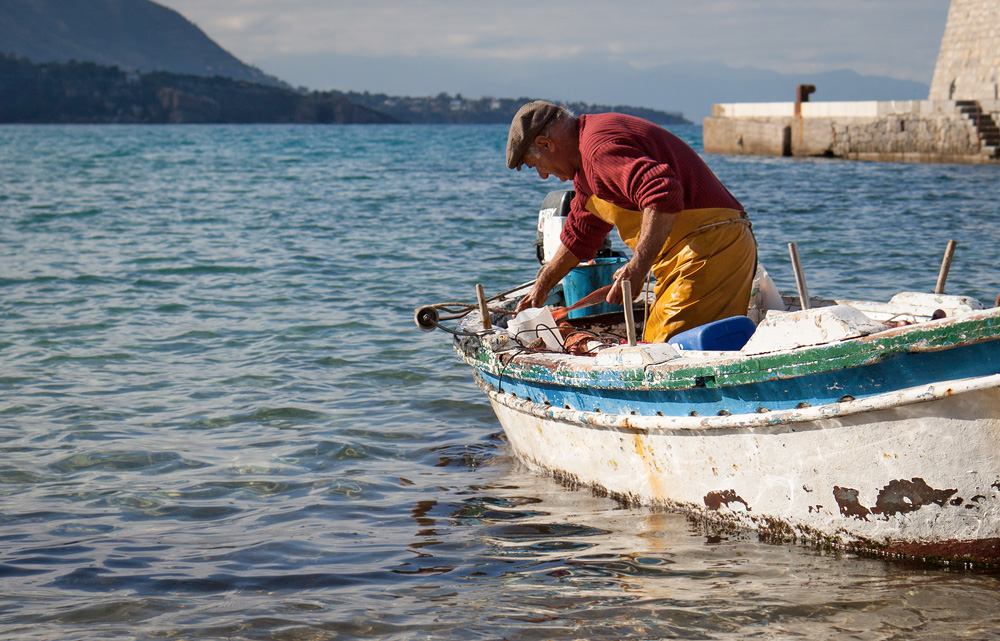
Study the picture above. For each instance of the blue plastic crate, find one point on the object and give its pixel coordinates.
(726, 334)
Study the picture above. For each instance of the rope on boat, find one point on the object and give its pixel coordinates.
(428, 317)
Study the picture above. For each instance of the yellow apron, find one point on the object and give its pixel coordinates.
(704, 271)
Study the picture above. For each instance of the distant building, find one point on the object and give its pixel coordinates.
(968, 65)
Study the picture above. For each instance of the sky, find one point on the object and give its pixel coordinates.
(310, 43)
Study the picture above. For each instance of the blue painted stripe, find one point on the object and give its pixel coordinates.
(895, 373)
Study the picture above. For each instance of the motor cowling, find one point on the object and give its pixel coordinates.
(551, 216)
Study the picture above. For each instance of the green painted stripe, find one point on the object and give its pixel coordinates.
(672, 375)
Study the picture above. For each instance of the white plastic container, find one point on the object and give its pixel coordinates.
(551, 228)
(534, 323)
(764, 296)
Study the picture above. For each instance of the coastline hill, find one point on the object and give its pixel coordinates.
(136, 35)
(456, 110)
(84, 92)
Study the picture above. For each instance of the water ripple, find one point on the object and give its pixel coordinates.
(218, 420)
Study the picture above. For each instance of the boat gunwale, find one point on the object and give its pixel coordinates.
(731, 368)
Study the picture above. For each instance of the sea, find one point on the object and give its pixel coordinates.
(218, 419)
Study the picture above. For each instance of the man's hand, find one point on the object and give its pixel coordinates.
(535, 298)
(552, 273)
(630, 272)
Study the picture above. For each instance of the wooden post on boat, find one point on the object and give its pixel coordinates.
(484, 311)
(949, 253)
(800, 279)
(629, 317)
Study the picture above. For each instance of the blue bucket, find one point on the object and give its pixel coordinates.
(585, 279)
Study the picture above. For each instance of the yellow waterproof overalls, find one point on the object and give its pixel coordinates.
(704, 271)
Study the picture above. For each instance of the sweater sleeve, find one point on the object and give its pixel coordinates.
(583, 233)
(620, 170)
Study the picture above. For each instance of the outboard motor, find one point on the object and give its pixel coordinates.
(552, 215)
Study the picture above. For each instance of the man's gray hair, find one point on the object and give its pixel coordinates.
(561, 119)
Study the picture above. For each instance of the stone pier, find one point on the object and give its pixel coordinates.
(958, 122)
(896, 131)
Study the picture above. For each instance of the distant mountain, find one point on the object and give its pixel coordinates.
(688, 87)
(446, 109)
(130, 34)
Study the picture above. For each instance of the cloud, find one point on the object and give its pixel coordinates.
(899, 38)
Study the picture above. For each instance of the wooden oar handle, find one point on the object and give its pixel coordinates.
(629, 318)
(949, 253)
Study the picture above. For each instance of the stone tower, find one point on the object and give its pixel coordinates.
(968, 66)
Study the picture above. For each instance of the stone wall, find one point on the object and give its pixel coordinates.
(968, 66)
(906, 137)
(903, 131)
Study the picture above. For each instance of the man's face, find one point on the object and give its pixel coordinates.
(549, 161)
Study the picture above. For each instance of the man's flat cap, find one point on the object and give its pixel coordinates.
(529, 121)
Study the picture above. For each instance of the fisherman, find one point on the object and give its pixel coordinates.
(675, 215)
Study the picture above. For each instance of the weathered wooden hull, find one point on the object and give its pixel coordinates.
(886, 443)
(918, 476)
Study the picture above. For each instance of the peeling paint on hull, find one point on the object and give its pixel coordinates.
(861, 444)
(786, 483)
(902, 469)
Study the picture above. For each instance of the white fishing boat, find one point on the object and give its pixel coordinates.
(867, 426)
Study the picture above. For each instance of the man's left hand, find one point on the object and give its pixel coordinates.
(635, 275)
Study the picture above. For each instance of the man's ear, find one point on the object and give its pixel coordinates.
(546, 143)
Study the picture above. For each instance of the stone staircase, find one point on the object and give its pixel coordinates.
(989, 133)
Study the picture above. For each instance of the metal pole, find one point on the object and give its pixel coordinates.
(800, 279)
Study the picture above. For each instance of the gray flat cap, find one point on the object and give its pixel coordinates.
(529, 121)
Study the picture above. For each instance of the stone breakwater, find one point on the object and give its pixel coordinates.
(892, 131)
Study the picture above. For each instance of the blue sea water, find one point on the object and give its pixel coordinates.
(218, 420)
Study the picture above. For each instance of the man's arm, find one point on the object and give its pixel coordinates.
(552, 273)
(656, 226)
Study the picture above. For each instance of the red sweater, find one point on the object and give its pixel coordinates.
(635, 164)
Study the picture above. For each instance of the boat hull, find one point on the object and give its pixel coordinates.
(831, 425)
(914, 472)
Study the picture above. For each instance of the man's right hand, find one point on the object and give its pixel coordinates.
(534, 298)
(552, 273)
